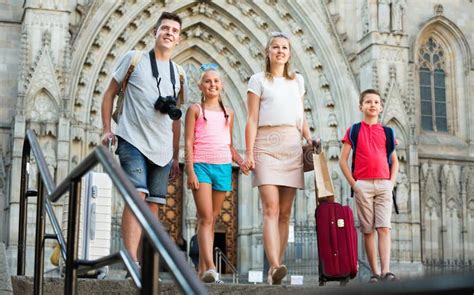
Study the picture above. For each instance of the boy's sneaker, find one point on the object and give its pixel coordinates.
(375, 278)
(390, 277)
(210, 276)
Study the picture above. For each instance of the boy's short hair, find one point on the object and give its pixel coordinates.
(170, 16)
(365, 92)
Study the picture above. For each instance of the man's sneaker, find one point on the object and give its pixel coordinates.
(210, 276)
(219, 281)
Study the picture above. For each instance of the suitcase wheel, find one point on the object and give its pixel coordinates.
(322, 283)
(343, 282)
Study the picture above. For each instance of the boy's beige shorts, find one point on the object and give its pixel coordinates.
(374, 206)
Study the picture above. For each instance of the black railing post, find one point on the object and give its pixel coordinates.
(21, 253)
(70, 286)
(150, 268)
(39, 241)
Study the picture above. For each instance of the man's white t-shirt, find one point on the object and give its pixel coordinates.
(147, 129)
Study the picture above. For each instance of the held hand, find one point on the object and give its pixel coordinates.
(193, 182)
(175, 171)
(243, 168)
(249, 162)
(107, 137)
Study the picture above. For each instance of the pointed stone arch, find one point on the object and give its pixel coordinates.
(431, 215)
(42, 107)
(402, 136)
(119, 27)
(393, 101)
(457, 69)
(452, 219)
(446, 30)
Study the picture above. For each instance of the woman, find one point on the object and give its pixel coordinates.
(275, 125)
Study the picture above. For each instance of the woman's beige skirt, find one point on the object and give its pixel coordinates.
(278, 157)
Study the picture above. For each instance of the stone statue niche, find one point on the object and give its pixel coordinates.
(390, 16)
(398, 10)
(402, 189)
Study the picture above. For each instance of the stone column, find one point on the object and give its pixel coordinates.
(384, 16)
(45, 25)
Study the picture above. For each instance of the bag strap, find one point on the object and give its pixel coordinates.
(354, 137)
(390, 147)
(156, 73)
(133, 63)
(181, 85)
(390, 143)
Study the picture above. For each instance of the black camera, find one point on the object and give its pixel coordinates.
(167, 105)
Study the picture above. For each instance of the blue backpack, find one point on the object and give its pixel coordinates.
(389, 146)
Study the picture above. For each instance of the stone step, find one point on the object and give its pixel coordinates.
(55, 286)
(460, 283)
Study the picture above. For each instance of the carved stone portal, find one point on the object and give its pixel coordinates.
(171, 216)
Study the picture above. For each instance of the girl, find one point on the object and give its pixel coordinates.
(209, 155)
(275, 125)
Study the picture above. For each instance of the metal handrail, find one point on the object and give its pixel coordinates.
(155, 238)
(47, 181)
(220, 256)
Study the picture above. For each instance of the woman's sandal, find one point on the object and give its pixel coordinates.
(374, 278)
(277, 274)
(390, 277)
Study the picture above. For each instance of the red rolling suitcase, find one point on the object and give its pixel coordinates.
(337, 243)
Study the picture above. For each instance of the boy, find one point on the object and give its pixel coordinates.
(372, 181)
(148, 140)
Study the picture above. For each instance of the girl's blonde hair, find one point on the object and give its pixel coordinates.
(286, 70)
(203, 72)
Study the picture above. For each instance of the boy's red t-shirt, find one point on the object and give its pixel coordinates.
(371, 158)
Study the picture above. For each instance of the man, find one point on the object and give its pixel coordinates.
(148, 139)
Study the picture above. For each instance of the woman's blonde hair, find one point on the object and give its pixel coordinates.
(268, 70)
(204, 69)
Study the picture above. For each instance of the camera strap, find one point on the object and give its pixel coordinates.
(156, 74)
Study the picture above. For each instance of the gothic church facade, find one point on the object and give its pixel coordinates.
(57, 58)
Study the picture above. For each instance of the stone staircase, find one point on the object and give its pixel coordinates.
(461, 283)
(456, 283)
(448, 284)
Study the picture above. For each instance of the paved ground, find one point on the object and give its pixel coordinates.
(5, 282)
(460, 283)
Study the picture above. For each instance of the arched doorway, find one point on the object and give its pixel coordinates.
(226, 226)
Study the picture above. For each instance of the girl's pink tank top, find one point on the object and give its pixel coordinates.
(212, 138)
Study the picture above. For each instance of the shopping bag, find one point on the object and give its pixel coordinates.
(323, 181)
(308, 151)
